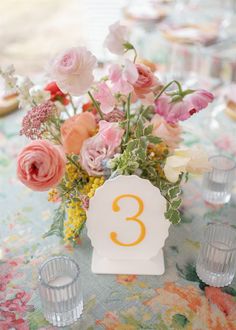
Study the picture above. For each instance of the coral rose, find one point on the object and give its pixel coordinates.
(56, 94)
(73, 70)
(75, 130)
(169, 133)
(41, 165)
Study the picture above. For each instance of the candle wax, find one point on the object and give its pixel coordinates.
(60, 280)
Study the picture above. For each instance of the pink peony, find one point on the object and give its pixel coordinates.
(124, 78)
(169, 133)
(173, 111)
(146, 81)
(116, 38)
(101, 147)
(41, 165)
(73, 70)
(105, 97)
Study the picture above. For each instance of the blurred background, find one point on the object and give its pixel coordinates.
(187, 39)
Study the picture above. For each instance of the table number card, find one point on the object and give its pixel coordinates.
(127, 227)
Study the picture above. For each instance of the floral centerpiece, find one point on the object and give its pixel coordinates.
(125, 123)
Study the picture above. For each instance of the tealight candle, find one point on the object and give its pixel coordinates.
(60, 290)
(216, 264)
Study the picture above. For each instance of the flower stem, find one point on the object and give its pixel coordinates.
(66, 111)
(72, 104)
(72, 161)
(96, 104)
(135, 54)
(128, 119)
(168, 85)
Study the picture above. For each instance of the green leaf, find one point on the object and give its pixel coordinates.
(176, 204)
(148, 130)
(132, 145)
(128, 46)
(173, 216)
(174, 192)
(57, 227)
(139, 129)
(154, 139)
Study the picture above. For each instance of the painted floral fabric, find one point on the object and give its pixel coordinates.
(175, 300)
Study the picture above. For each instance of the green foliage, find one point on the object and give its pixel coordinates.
(57, 227)
(135, 160)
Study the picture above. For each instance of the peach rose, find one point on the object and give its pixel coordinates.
(146, 81)
(73, 70)
(169, 133)
(41, 165)
(77, 129)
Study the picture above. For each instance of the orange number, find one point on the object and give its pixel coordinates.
(116, 208)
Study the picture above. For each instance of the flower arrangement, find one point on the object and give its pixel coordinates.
(126, 123)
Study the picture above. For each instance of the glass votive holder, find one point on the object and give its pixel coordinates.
(60, 290)
(218, 183)
(216, 263)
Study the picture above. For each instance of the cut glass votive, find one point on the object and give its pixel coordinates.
(218, 183)
(216, 263)
(60, 290)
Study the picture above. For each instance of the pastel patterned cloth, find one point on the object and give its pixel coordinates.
(175, 300)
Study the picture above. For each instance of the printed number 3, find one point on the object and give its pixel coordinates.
(116, 208)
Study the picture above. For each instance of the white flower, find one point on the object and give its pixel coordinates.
(9, 79)
(73, 70)
(116, 38)
(193, 160)
(24, 92)
(38, 95)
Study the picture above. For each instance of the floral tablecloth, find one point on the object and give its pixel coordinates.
(175, 300)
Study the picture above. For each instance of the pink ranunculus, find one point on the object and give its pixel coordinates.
(41, 165)
(100, 148)
(105, 97)
(73, 70)
(93, 154)
(116, 38)
(173, 111)
(200, 99)
(146, 81)
(124, 78)
(169, 133)
(111, 133)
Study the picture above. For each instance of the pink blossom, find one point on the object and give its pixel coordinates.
(116, 38)
(73, 70)
(93, 155)
(105, 97)
(123, 78)
(40, 165)
(200, 99)
(173, 111)
(115, 115)
(169, 133)
(32, 123)
(146, 81)
(101, 147)
(111, 133)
